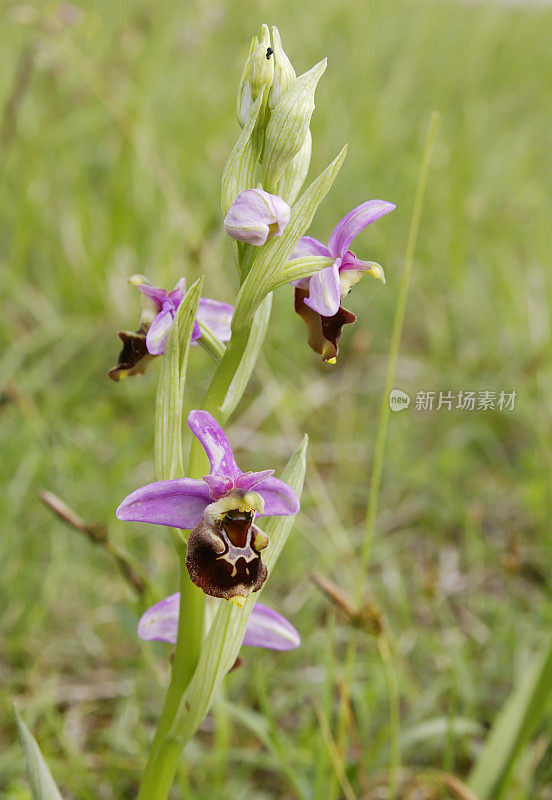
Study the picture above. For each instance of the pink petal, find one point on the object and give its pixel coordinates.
(160, 622)
(309, 246)
(247, 480)
(280, 499)
(265, 627)
(179, 503)
(256, 215)
(158, 331)
(281, 213)
(157, 295)
(205, 428)
(217, 316)
(177, 293)
(355, 222)
(218, 485)
(325, 290)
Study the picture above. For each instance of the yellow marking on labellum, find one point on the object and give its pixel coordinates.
(236, 501)
(238, 600)
(217, 543)
(331, 360)
(261, 540)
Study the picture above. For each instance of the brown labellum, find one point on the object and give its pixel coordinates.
(323, 333)
(223, 556)
(134, 357)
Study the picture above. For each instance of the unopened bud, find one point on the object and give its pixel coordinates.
(261, 64)
(258, 71)
(284, 74)
(255, 216)
(245, 98)
(289, 124)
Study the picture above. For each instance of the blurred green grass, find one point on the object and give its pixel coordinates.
(110, 156)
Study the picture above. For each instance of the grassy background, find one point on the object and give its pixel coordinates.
(115, 129)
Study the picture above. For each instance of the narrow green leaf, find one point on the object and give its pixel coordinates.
(222, 644)
(43, 786)
(240, 170)
(271, 260)
(249, 359)
(436, 730)
(512, 729)
(170, 389)
(299, 268)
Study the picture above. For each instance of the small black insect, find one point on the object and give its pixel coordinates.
(269, 53)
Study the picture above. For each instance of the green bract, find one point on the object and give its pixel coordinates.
(293, 176)
(288, 125)
(284, 74)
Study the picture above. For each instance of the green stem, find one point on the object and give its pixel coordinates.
(246, 257)
(394, 716)
(216, 393)
(341, 736)
(165, 751)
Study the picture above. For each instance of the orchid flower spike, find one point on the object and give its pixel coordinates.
(255, 216)
(158, 311)
(265, 627)
(318, 298)
(224, 546)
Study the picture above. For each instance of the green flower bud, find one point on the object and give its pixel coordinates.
(288, 125)
(257, 72)
(284, 74)
(245, 98)
(261, 66)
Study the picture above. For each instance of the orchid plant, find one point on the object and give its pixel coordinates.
(214, 510)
